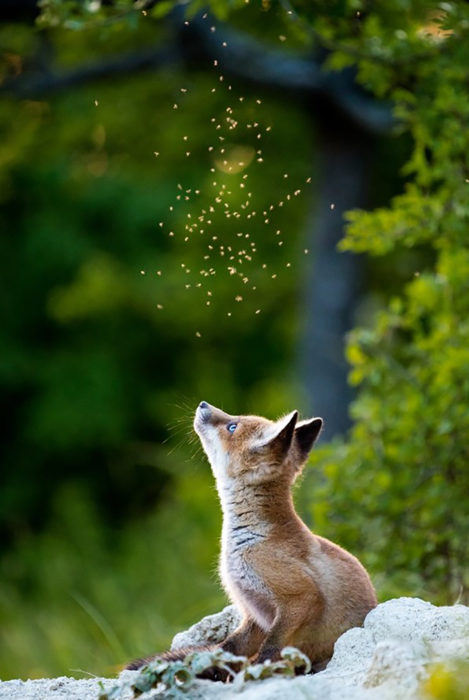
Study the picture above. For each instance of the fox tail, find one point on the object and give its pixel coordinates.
(176, 655)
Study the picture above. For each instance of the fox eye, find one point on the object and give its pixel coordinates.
(231, 427)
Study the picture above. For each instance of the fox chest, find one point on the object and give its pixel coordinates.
(244, 581)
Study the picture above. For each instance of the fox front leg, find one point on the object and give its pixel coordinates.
(246, 640)
(283, 632)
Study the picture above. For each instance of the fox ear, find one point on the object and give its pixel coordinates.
(306, 433)
(281, 435)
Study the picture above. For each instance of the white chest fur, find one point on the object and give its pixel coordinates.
(243, 530)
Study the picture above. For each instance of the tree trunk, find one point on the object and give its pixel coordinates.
(333, 279)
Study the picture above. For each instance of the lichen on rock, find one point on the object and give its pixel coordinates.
(212, 629)
(390, 657)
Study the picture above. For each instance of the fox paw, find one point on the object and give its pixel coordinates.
(268, 653)
(214, 674)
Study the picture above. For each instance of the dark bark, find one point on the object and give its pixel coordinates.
(38, 84)
(333, 280)
(289, 73)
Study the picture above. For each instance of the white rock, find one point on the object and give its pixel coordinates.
(393, 658)
(54, 689)
(413, 619)
(387, 659)
(353, 651)
(210, 630)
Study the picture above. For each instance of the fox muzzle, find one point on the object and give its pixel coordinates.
(207, 414)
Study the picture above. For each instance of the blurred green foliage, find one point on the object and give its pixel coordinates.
(104, 517)
(103, 525)
(446, 682)
(399, 485)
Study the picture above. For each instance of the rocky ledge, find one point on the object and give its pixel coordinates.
(390, 657)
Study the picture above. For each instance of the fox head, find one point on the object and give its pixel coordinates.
(252, 449)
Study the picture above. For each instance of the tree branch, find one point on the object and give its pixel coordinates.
(298, 73)
(239, 56)
(38, 84)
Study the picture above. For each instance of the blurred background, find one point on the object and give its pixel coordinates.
(173, 182)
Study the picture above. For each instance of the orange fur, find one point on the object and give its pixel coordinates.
(292, 587)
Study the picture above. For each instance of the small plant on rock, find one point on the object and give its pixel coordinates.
(173, 679)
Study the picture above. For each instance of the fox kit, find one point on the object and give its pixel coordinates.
(293, 588)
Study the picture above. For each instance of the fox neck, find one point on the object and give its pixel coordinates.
(251, 510)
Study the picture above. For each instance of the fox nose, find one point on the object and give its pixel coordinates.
(204, 411)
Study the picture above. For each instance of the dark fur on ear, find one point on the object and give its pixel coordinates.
(306, 434)
(280, 442)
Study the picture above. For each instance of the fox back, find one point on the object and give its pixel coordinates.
(292, 587)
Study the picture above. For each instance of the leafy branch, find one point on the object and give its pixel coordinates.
(174, 679)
